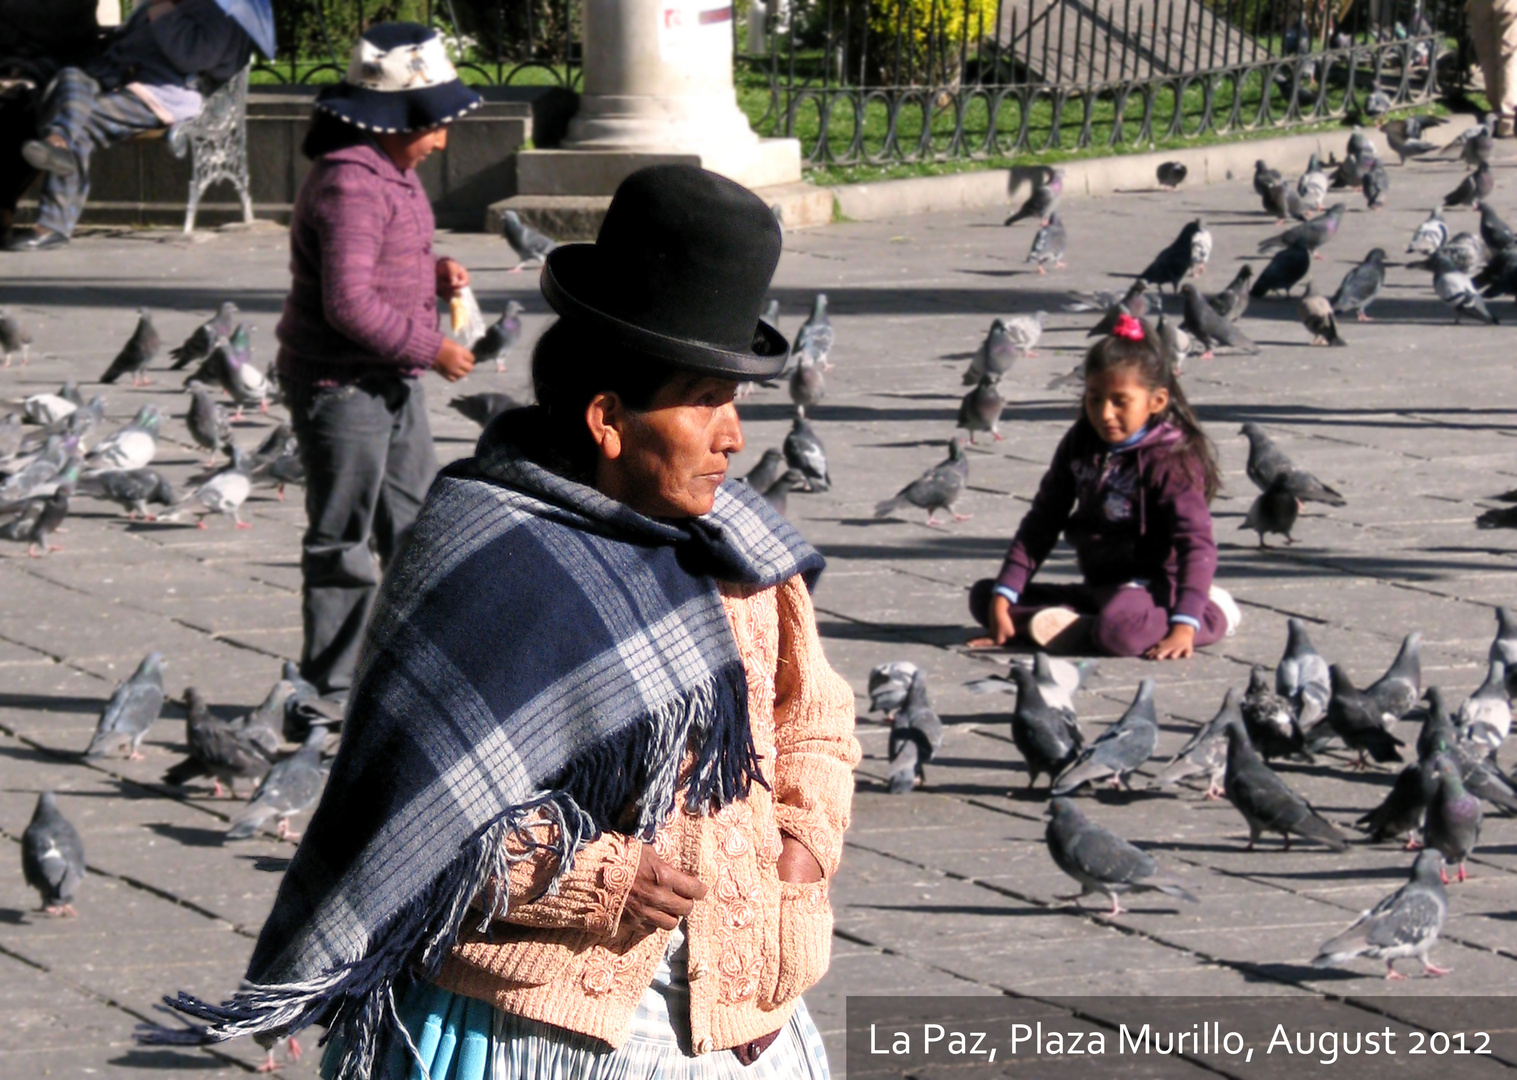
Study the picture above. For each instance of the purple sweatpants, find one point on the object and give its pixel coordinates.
(1129, 620)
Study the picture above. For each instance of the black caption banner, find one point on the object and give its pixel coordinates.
(1257, 1038)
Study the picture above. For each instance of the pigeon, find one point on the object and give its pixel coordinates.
(1274, 511)
(1485, 718)
(1057, 680)
(225, 491)
(1480, 775)
(815, 337)
(777, 494)
(1313, 185)
(12, 433)
(1269, 718)
(1206, 326)
(259, 726)
(1350, 172)
(1400, 813)
(131, 489)
(482, 408)
(1475, 143)
(1200, 249)
(1359, 145)
(1120, 749)
(243, 382)
(1494, 232)
(1284, 271)
(285, 467)
(1504, 645)
(39, 519)
(138, 352)
(306, 708)
(1043, 201)
(1361, 286)
(1232, 301)
(1048, 738)
(1417, 125)
(1100, 860)
(888, 684)
(1464, 252)
(1024, 332)
(198, 345)
(1283, 201)
(216, 750)
(496, 343)
(1135, 302)
(208, 422)
(807, 384)
(1355, 717)
(1473, 188)
(290, 787)
(14, 339)
(1265, 801)
(529, 244)
(804, 451)
(1049, 244)
(915, 736)
(1171, 174)
(771, 466)
(936, 489)
(1265, 178)
(1265, 460)
(1172, 265)
(1437, 734)
(133, 446)
(1176, 343)
(54, 464)
(1396, 692)
(1406, 923)
(1498, 277)
(995, 355)
(1205, 753)
(1316, 313)
(1431, 235)
(1309, 234)
(133, 707)
(52, 857)
(1377, 182)
(1403, 142)
(50, 408)
(1452, 825)
(981, 409)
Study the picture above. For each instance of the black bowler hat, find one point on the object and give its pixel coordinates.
(678, 273)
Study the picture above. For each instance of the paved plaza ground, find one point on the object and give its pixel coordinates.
(948, 890)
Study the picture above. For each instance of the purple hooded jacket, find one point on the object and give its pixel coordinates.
(1137, 513)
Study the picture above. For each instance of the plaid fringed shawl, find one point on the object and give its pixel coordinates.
(539, 650)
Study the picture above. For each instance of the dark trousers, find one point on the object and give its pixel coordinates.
(367, 451)
(88, 120)
(1126, 620)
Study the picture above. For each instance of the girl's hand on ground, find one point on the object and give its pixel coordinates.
(1001, 629)
(1178, 644)
(660, 896)
(453, 361)
(452, 278)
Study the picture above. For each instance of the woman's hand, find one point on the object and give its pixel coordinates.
(1178, 644)
(797, 865)
(452, 278)
(1001, 629)
(661, 895)
(453, 361)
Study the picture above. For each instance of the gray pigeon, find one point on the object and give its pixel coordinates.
(1170, 174)
(217, 750)
(808, 386)
(1400, 813)
(1172, 265)
(1048, 738)
(1266, 461)
(1361, 286)
(1205, 753)
(1354, 717)
(1313, 184)
(1403, 142)
(208, 422)
(1309, 234)
(1265, 178)
(225, 491)
(496, 343)
(1049, 245)
(529, 244)
(995, 355)
(1120, 749)
(936, 489)
(1405, 923)
(1203, 323)
(1455, 289)
(1284, 271)
(1269, 718)
(263, 725)
(482, 408)
(1316, 314)
(1137, 302)
(1377, 182)
(771, 466)
(291, 787)
(1431, 235)
(1058, 680)
(131, 489)
(1100, 860)
(1265, 801)
(14, 339)
(198, 345)
(133, 707)
(1486, 716)
(39, 518)
(1232, 301)
(888, 686)
(1504, 645)
(52, 857)
(1453, 818)
(137, 353)
(1283, 201)
(915, 736)
(133, 446)
(804, 451)
(1473, 188)
(1396, 692)
(1044, 200)
(815, 338)
(777, 494)
(981, 409)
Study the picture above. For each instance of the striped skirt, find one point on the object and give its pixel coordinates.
(460, 1038)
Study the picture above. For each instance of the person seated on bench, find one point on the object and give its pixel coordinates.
(151, 76)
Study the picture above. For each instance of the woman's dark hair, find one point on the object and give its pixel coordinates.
(328, 134)
(572, 363)
(1194, 453)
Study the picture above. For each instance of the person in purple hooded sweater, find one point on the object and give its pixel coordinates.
(1129, 488)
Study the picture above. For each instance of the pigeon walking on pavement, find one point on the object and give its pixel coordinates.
(1309, 234)
(1376, 184)
(292, 786)
(1284, 202)
(52, 857)
(225, 491)
(1312, 185)
(803, 450)
(981, 409)
(1048, 738)
(771, 466)
(530, 245)
(995, 355)
(1303, 677)
(1406, 923)
(1316, 314)
(889, 683)
(14, 339)
(1100, 860)
(132, 709)
(1044, 200)
(1504, 644)
(1397, 691)
(1361, 286)
(1170, 174)
(133, 446)
(208, 422)
(216, 750)
(1203, 323)
(1474, 188)
(1274, 511)
(1403, 143)
(808, 385)
(1400, 813)
(777, 494)
(1283, 272)
(936, 489)
(131, 489)
(1496, 233)
(1173, 265)
(1269, 718)
(39, 519)
(1452, 825)
(1485, 718)
(1431, 235)
(1266, 803)
(1266, 460)
(1232, 301)
(1205, 753)
(1354, 717)
(138, 352)
(1265, 178)
(1455, 289)
(500, 337)
(915, 736)
(199, 344)
(815, 338)
(1049, 245)
(1119, 750)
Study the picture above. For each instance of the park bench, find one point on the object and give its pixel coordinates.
(217, 143)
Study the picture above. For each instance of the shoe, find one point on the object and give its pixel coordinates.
(1059, 629)
(34, 240)
(43, 155)
(1230, 609)
(1505, 128)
